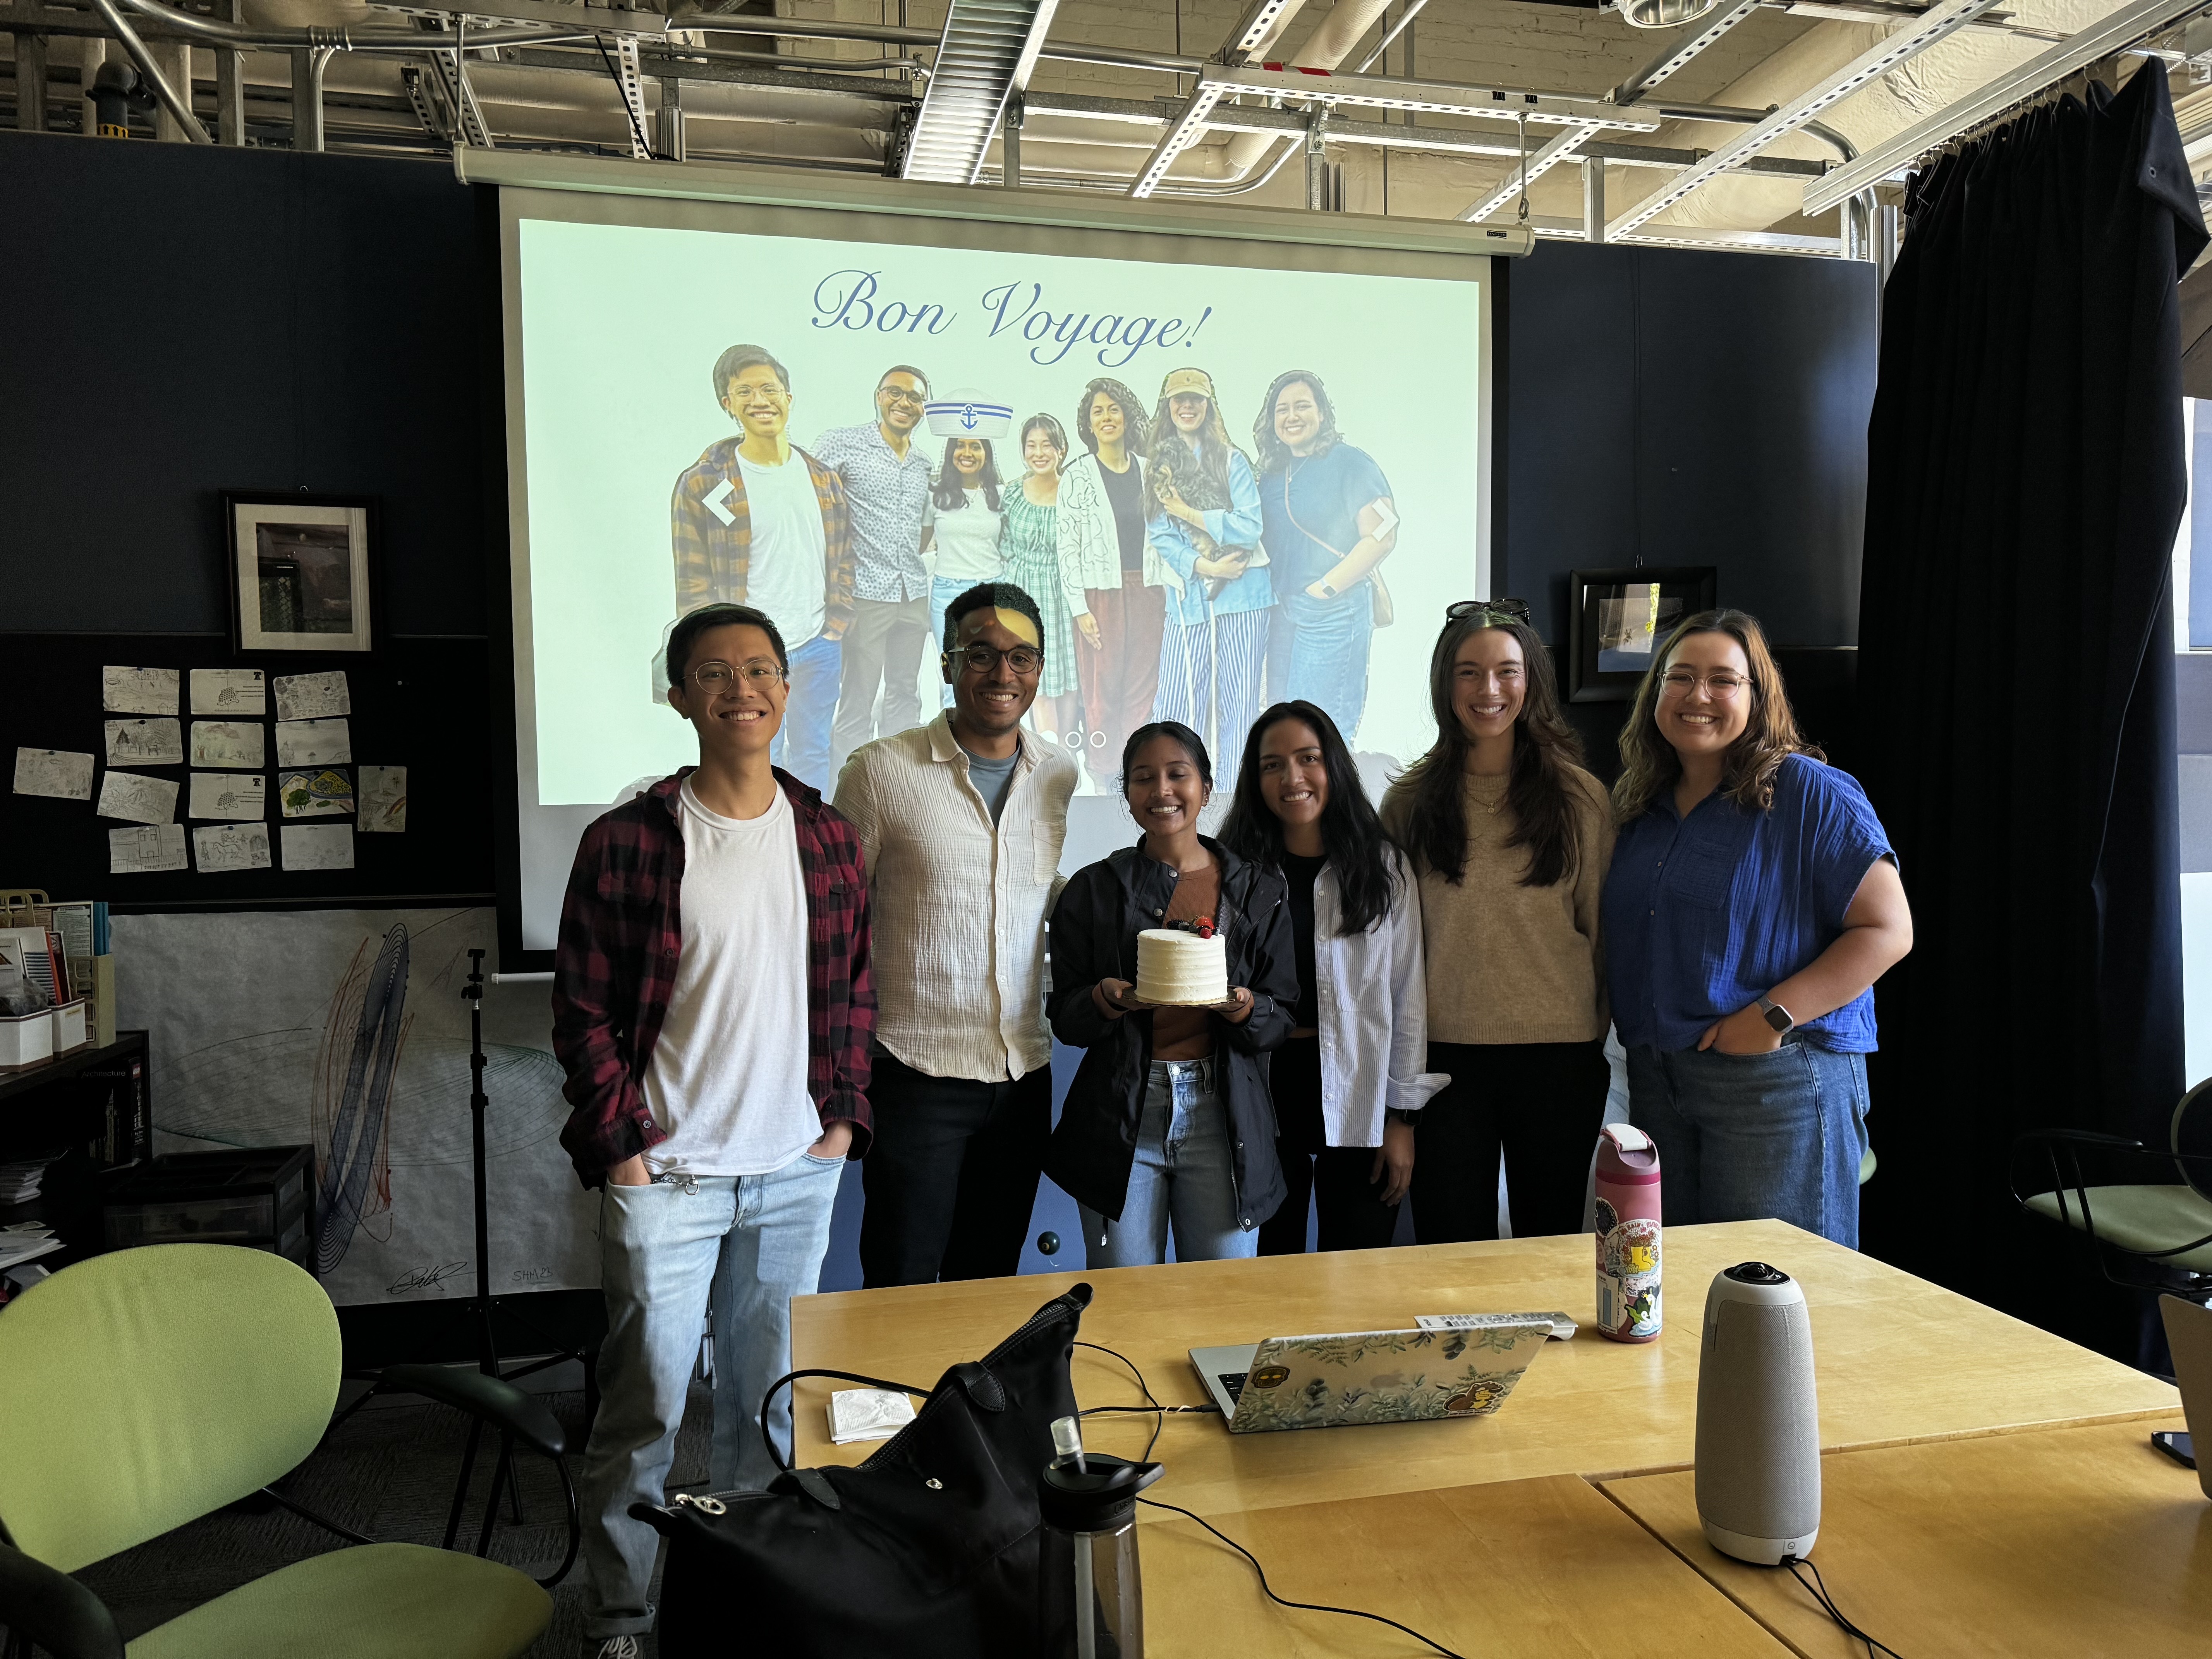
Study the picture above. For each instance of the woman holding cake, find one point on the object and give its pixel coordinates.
(1173, 965)
(1511, 839)
(1348, 1083)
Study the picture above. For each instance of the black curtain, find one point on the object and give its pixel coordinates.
(2025, 479)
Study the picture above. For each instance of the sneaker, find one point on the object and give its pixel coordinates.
(612, 1647)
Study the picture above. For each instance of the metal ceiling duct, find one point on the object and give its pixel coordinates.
(989, 49)
(1663, 14)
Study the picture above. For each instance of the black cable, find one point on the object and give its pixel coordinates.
(1819, 1587)
(1268, 1589)
(1309, 1607)
(1150, 1401)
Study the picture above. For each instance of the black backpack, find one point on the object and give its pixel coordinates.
(928, 1548)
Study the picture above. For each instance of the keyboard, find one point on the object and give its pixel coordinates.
(1234, 1383)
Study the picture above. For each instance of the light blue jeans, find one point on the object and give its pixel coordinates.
(802, 744)
(1742, 1137)
(1184, 1172)
(1318, 651)
(743, 1245)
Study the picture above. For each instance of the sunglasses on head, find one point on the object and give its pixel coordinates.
(1490, 610)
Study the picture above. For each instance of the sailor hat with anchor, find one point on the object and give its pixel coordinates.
(965, 412)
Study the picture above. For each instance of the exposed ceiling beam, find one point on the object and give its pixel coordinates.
(1183, 131)
(1557, 150)
(1694, 39)
(2124, 29)
(1428, 97)
(1937, 23)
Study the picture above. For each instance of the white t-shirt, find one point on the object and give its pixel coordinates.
(789, 563)
(968, 538)
(728, 1076)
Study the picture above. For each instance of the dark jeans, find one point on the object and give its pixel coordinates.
(1353, 1215)
(952, 1175)
(1543, 1103)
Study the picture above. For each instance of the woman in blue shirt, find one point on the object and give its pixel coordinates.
(1753, 901)
(1328, 521)
(1206, 524)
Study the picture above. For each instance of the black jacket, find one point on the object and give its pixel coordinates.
(1093, 937)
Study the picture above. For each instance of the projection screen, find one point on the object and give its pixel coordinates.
(1348, 361)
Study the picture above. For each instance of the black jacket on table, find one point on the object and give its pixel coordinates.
(1093, 937)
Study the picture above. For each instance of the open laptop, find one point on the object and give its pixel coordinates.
(2188, 1335)
(1367, 1377)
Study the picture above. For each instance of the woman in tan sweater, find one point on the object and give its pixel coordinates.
(1511, 839)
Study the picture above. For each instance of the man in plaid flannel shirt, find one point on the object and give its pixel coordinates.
(712, 1009)
(750, 528)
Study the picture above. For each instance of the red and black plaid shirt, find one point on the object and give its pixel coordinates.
(614, 969)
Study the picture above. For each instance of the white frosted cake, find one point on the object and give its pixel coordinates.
(1178, 968)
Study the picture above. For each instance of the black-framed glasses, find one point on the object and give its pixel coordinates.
(901, 395)
(715, 678)
(1024, 659)
(1494, 611)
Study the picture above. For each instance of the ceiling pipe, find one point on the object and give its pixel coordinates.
(179, 108)
(213, 32)
(1751, 118)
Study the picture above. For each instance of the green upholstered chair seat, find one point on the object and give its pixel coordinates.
(2142, 1219)
(373, 1602)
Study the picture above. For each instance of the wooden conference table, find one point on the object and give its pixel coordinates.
(1497, 1534)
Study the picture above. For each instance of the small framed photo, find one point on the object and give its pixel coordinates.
(1617, 619)
(302, 571)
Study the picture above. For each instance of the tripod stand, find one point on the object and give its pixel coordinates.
(482, 1304)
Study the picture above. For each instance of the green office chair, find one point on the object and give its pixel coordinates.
(2160, 1229)
(144, 1389)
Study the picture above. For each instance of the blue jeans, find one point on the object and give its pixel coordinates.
(1742, 1137)
(804, 737)
(1317, 650)
(1184, 1171)
(943, 590)
(743, 1246)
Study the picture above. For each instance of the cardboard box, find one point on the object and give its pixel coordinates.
(69, 1019)
(27, 1039)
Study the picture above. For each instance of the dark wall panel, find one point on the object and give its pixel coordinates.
(193, 318)
(1690, 408)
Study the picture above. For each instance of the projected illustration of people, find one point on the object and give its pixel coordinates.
(887, 482)
(960, 531)
(1121, 609)
(1028, 543)
(1329, 523)
(1205, 525)
(759, 521)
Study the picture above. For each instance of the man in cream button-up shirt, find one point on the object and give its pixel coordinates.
(962, 822)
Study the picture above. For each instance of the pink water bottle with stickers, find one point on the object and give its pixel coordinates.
(1627, 1234)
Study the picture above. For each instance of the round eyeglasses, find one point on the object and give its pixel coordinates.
(1024, 659)
(715, 678)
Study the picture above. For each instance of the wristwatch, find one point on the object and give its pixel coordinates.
(1327, 591)
(1399, 1115)
(1776, 1016)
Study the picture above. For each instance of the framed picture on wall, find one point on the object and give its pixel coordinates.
(302, 571)
(1616, 619)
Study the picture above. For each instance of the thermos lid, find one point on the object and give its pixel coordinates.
(1100, 1498)
(1627, 1155)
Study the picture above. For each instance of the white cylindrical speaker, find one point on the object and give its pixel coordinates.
(1759, 1418)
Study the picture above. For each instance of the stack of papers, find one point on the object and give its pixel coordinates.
(18, 1182)
(867, 1414)
(19, 1244)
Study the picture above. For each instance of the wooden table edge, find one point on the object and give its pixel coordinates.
(1603, 1483)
